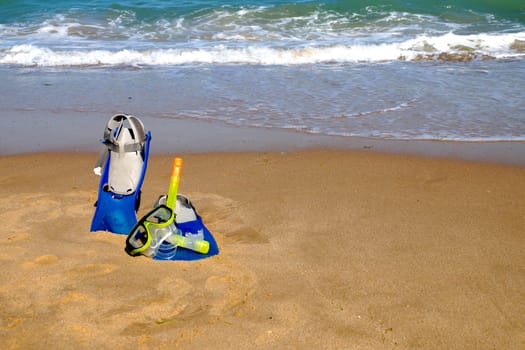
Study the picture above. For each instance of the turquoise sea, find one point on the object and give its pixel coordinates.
(411, 70)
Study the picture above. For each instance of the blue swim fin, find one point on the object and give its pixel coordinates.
(124, 160)
(189, 222)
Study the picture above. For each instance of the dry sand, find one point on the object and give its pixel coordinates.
(319, 249)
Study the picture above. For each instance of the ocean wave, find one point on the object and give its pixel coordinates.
(450, 47)
(304, 21)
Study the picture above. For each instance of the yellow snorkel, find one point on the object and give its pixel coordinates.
(198, 245)
(159, 225)
(174, 183)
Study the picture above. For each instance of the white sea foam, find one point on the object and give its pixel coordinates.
(423, 47)
(261, 23)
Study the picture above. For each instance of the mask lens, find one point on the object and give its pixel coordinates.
(139, 237)
(136, 240)
(159, 215)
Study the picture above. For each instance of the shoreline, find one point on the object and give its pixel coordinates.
(53, 133)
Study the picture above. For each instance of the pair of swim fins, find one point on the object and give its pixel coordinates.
(122, 166)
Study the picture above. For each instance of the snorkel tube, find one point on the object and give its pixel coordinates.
(174, 183)
(177, 239)
(158, 226)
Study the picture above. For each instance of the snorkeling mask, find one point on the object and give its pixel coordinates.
(157, 227)
(150, 231)
(157, 232)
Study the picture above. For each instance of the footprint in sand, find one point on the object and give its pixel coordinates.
(225, 217)
(43, 207)
(18, 236)
(11, 240)
(39, 261)
(93, 269)
(77, 202)
(205, 293)
(224, 294)
(74, 297)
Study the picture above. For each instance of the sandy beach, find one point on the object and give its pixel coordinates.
(319, 249)
(361, 166)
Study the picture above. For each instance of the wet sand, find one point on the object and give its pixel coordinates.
(321, 248)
